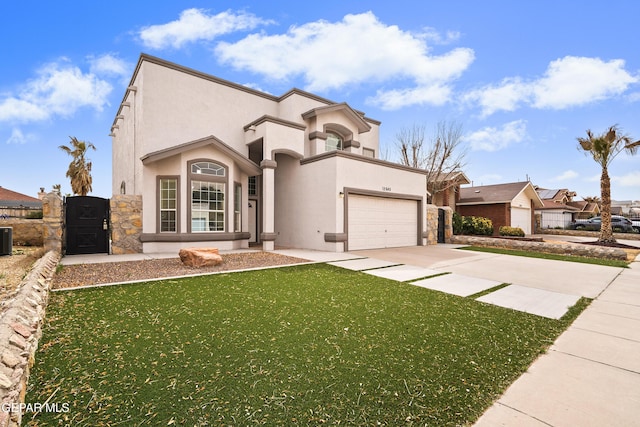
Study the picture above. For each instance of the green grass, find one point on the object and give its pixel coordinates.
(302, 345)
(557, 257)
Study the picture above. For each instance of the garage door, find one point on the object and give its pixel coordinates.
(521, 217)
(377, 222)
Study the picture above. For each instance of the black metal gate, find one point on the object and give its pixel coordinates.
(87, 225)
(440, 225)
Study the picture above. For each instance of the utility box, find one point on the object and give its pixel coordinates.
(6, 240)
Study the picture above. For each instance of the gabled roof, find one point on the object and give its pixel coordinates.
(457, 176)
(584, 206)
(549, 204)
(497, 193)
(182, 69)
(343, 107)
(245, 164)
(13, 199)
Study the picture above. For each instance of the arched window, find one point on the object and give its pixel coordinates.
(208, 185)
(333, 142)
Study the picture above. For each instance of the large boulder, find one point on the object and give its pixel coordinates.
(200, 257)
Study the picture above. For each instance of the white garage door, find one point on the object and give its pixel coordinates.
(377, 222)
(521, 217)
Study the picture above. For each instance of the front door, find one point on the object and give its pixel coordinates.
(87, 225)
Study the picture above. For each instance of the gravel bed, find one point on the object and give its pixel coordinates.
(71, 276)
(14, 267)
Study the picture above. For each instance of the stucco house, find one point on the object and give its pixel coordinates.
(510, 204)
(556, 211)
(219, 164)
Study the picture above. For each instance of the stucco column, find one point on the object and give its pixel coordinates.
(268, 235)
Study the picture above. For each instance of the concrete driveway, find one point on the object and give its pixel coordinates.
(557, 276)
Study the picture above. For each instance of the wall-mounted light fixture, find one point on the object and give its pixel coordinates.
(341, 194)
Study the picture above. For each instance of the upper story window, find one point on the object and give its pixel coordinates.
(333, 142)
(368, 152)
(207, 168)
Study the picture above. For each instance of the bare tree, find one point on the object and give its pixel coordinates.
(442, 157)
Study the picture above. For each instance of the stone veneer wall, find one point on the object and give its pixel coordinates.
(25, 232)
(432, 224)
(547, 247)
(53, 222)
(20, 329)
(126, 224)
(585, 233)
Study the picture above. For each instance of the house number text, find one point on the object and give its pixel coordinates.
(386, 188)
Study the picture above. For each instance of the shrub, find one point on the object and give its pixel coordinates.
(34, 215)
(505, 230)
(476, 225)
(457, 223)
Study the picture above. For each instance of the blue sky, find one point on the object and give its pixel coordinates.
(523, 78)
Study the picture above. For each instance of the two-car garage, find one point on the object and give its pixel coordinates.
(382, 222)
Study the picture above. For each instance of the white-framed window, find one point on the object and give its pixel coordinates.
(253, 189)
(208, 183)
(333, 142)
(168, 205)
(237, 207)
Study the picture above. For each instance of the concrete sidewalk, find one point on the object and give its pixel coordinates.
(591, 374)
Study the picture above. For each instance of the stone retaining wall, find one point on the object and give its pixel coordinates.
(585, 233)
(20, 329)
(546, 247)
(25, 232)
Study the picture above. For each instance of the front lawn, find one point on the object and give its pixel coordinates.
(302, 345)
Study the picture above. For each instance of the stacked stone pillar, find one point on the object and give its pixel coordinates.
(53, 220)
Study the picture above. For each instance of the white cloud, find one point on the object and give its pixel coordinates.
(110, 65)
(506, 96)
(574, 80)
(567, 82)
(59, 89)
(17, 137)
(631, 179)
(359, 49)
(196, 24)
(494, 139)
(566, 176)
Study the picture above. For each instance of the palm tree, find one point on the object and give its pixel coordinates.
(604, 148)
(79, 171)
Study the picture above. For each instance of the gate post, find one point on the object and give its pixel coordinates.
(52, 218)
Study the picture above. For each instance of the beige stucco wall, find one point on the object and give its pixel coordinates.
(308, 202)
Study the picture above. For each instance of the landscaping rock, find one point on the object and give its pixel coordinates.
(200, 257)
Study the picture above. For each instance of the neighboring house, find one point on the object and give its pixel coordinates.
(585, 210)
(223, 165)
(445, 189)
(556, 212)
(14, 204)
(510, 204)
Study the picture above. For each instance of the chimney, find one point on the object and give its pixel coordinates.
(41, 194)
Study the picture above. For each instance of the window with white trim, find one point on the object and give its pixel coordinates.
(208, 183)
(237, 207)
(168, 203)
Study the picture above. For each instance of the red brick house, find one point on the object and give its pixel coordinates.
(511, 204)
(14, 204)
